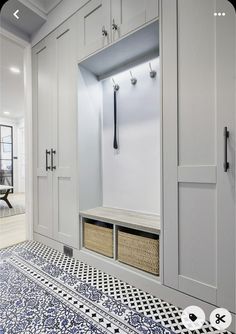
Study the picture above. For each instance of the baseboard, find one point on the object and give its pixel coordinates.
(147, 283)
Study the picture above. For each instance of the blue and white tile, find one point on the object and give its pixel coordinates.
(152, 307)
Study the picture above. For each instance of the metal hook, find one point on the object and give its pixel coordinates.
(133, 80)
(152, 72)
(116, 86)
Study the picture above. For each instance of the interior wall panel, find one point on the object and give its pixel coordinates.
(131, 174)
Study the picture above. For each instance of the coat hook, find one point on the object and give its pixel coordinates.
(152, 72)
(133, 80)
(116, 86)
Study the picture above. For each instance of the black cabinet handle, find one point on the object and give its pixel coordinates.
(47, 154)
(115, 143)
(52, 162)
(63, 33)
(226, 136)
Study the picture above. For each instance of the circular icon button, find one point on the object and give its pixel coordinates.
(193, 317)
(220, 319)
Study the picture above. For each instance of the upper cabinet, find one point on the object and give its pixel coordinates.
(128, 15)
(94, 27)
(102, 22)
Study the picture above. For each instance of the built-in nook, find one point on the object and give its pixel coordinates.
(120, 183)
(152, 203)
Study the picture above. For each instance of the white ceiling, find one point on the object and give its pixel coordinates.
(44, 5)
(32, 15)
(11, 84)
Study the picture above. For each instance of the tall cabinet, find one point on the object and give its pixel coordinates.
(55, 134)
(198, 155)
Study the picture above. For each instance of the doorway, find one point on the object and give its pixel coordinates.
(15, 141)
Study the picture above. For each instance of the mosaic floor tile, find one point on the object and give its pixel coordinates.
(151, 307)
(38, 296)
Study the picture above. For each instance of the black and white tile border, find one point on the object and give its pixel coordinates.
(168, 315)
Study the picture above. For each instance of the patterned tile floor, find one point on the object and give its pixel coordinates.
(168, 315)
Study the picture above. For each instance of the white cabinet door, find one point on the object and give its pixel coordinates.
(94, 27)
(128, 15)
(64, 141)
(43, 106)
(198, 102)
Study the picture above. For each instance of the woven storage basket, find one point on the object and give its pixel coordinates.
(98, 239)
(139, 251)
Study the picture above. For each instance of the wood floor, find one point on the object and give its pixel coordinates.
(12, 230)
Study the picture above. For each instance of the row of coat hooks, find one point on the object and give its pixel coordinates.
(134, 80)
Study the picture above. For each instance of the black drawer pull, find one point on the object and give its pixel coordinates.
(226, 136)
(52, 161)
(47, 154)
(63, 33)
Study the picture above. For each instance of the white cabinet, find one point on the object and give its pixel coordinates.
(65, 136)
(199, 195)
(55, 134)
(43, 105)
(102, 22)
(94, 27)
(128, 15)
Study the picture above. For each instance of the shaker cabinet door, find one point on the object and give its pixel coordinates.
(128, 15)
(43, 108)
(64, 142)
(94, 27)
(198, 185)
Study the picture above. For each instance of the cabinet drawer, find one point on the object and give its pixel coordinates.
(99, 238)
(139, 251)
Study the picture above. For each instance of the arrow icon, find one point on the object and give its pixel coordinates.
(15, 14)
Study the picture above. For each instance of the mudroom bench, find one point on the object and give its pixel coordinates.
(129, 237)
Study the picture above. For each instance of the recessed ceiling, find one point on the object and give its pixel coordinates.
(11, 82)
(44, 5)
(32, 15)
(29, 21)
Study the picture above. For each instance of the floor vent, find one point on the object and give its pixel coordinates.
(68, 251)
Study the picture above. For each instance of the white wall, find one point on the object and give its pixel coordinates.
(131, 175)
(17, 172)
(89, 140)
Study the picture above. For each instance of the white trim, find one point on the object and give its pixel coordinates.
(196, 288)
(22, 42)
(28, 129)
(28, 143)
(35, 8)
(161, 238)
(197, 174)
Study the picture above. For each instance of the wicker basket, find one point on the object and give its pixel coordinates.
(98, 239)
(139, 251)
